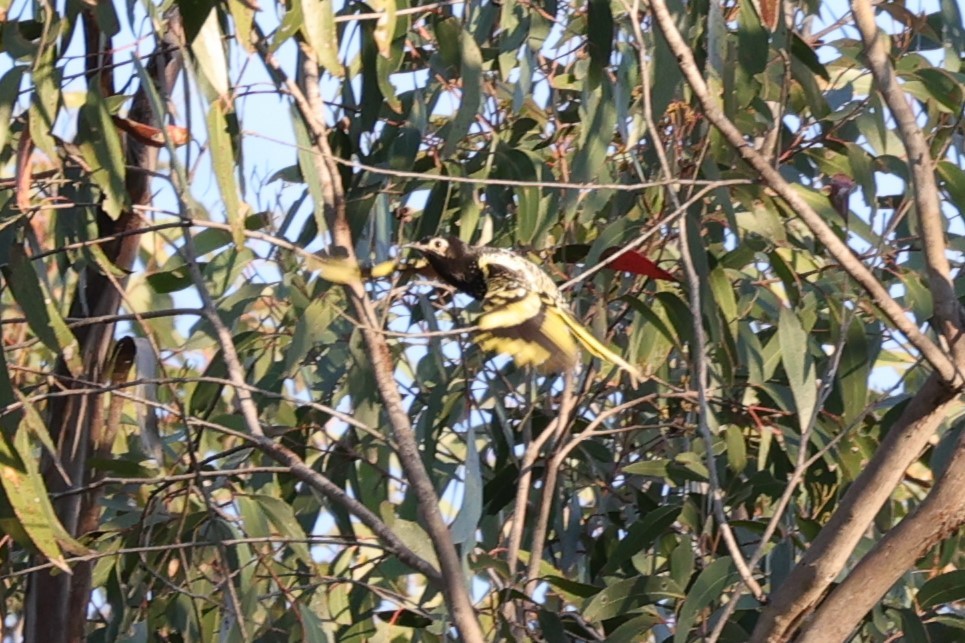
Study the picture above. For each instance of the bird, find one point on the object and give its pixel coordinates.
(524, 314)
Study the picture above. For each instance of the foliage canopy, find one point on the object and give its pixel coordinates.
(188, 180)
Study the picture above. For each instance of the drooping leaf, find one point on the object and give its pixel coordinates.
(708, 587)
(224, 161)
(42, 315)
(471, 73)
(798, 365)
(101, 147)
(319, 30)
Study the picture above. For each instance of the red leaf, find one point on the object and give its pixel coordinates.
(634, 262)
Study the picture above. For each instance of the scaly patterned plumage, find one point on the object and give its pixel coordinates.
(524, 314)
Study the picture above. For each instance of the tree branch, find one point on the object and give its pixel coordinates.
(936, 518)
(548, 496)
(309, 105)
(698, 354)
(829, 552)
(837, 248)
(924, 187)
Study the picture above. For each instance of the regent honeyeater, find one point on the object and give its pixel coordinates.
(524, 315)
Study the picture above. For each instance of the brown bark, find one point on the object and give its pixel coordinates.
(806, 586)
(56, 605)
(455, 584)
(938, 517)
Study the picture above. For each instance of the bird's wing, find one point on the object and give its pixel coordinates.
(525, 316)
(516, 321)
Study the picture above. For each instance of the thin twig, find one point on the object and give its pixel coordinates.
(490, 181)
(538, 540)
(308, 101)
(700, 342)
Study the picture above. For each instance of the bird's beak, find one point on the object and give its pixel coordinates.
(415, 245)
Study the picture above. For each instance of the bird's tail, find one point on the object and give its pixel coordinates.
(598, 349)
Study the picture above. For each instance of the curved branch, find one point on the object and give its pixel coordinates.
(837, 248)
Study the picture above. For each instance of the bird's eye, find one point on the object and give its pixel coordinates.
(438, 244)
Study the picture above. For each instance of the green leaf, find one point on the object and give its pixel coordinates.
(912, 628)
(208, 50)
(634, 629)
(471, 74)
(415, 538)
(521, 166)
(39, 308)
(46, 100)
(254, 519)
(224, 161)
(708, 587)
(653, 468)
(736, 448)
(752, 39)
(306, 161)
(206, 394)
(590, 162)
(313, 629)
(282, 517)
(691, 466)
(34, 425)
(463, 527)
(625, 596)
(571, 590)
(9, 92)
(599, 32)
(942, 590)
(803, 52)
(312, 329)
(244, 17)
(798, 366)
(320, 33)
(682, 561)
(854, 370)
(25, 490)
(953, 180)
(938, 85)
(725, 298)
(101, 147)
(641, 535)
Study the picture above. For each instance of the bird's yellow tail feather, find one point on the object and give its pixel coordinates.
(598, 349)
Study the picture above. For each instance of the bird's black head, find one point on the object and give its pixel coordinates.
(454, 261)
(440, 247)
